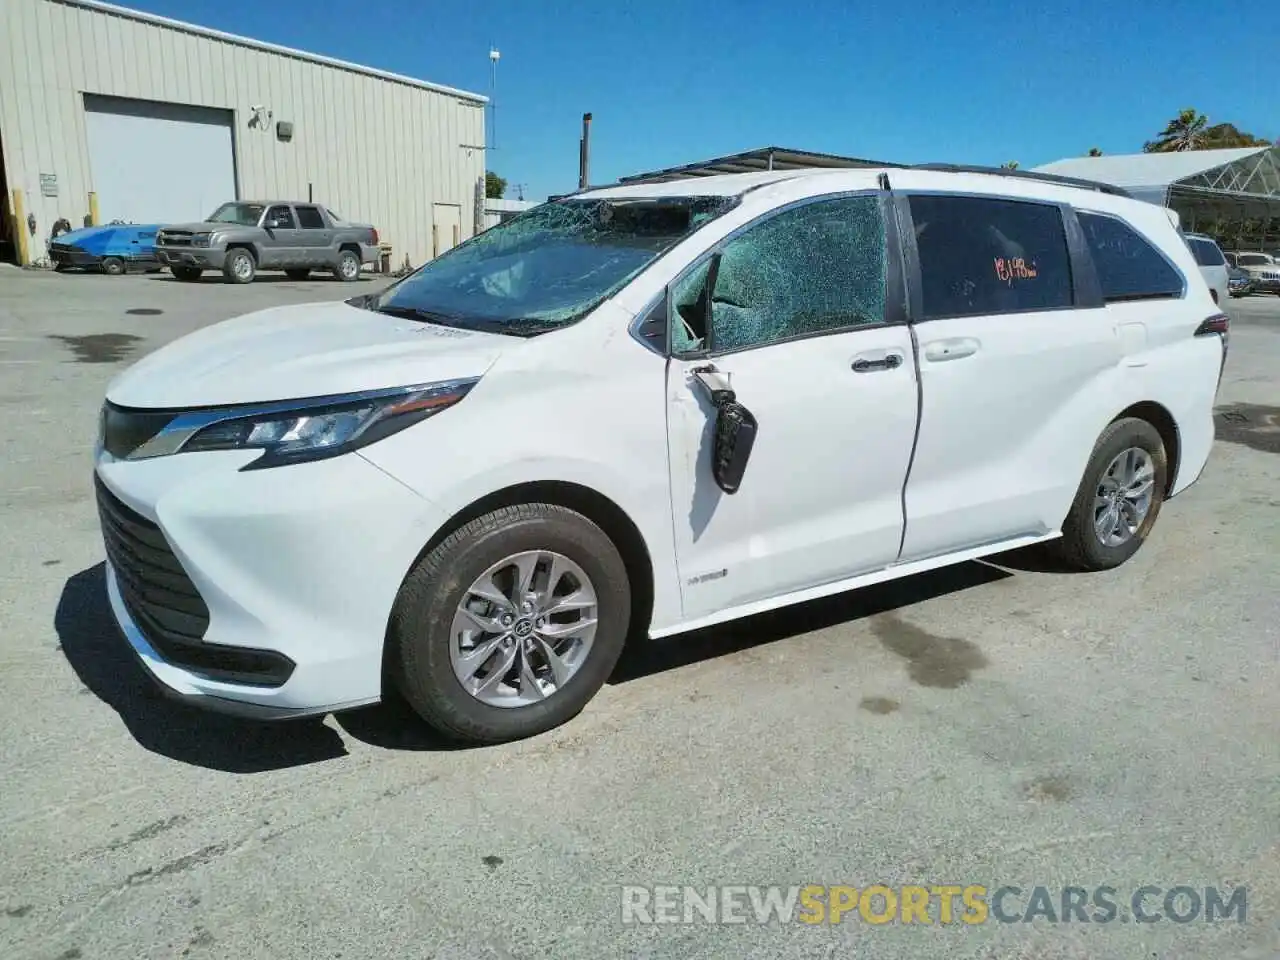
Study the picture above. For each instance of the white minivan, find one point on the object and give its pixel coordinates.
(640, 410)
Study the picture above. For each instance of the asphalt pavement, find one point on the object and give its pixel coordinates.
(994, 724)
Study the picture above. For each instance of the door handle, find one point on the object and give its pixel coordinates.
(890, 361)
(940, 350)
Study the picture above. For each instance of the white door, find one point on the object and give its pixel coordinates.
(158, 162)
(446, 227)
(797, 327)
(1006, 359)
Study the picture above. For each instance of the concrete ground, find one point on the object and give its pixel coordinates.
(989, 724)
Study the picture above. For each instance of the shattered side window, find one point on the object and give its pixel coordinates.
(814, 269)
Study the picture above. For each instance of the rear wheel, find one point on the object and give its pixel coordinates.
(510, 625)
(112, 266)
(187, 274)
(298, 273)
(348, 268)
(1119, 497)
(239, 267)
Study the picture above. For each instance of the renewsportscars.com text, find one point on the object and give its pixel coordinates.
(930, 904)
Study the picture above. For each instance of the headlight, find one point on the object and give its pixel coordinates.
(201, 239)
(295, 432)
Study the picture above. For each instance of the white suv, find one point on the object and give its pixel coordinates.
(643, 410)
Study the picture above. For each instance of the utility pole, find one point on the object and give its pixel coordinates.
(584, 153)
(494, 57)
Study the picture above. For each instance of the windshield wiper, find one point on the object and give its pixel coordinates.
(518, 327)
(423, 316)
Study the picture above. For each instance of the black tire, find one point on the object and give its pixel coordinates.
(420, 628)
(112, 266)
(1080, 547)
(59, 268)
(233, 267)
(347, 268)
(187, 274)
(298, 273)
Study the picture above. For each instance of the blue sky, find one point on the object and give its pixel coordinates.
(672, 81)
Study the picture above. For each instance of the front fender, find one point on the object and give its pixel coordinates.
(649, 513)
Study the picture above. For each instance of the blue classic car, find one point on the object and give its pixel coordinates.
(113, 248)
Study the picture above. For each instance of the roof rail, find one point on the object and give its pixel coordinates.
(1026, 175)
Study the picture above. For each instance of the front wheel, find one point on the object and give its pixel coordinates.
(348, 268)
(1119, 497)
(511, 624)
(112, 266)
(239, 267)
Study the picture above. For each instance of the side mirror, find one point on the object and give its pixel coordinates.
(735, 435)
(735, 430)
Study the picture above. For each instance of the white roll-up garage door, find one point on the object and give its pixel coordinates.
(158, 162)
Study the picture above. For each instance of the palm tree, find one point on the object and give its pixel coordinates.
(1095, 152)
(1186, 131)
(1011, 165)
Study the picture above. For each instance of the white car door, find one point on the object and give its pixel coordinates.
(1010, 342)
(804, 333)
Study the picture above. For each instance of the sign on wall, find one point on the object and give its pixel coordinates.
(48, 184)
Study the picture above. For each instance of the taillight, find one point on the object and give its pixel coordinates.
(374, 241)
(1218, 324)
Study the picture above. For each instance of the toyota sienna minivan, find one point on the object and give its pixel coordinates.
(641, 410)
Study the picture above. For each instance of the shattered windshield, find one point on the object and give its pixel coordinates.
(245, 214)
(549, 266)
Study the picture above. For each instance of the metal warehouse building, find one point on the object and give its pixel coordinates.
(111, 114)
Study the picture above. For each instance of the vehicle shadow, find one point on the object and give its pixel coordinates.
(104, 663)
(644, 657)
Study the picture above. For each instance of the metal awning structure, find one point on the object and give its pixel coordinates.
(754, 161)
(1233, 195)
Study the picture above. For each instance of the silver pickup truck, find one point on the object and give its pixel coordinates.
(244, 237)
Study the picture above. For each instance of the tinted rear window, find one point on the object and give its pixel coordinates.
(1206, 253)
(1129, 267)
(981, 255)
(309, 218)
(1252, 260)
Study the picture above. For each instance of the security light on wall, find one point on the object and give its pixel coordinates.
(284, 130)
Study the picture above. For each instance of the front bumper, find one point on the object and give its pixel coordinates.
(206, 258)
(73, 257)
(296, 566)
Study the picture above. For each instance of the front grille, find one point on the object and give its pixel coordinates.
(175, 239)
(166, 606)
(125, 430)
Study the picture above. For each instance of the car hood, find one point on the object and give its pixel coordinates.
(306, 350)
(205, 227)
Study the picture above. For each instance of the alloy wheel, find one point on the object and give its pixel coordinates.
(523, 629)
(1123, 497)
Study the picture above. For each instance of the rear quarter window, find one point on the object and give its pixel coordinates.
(1129, 266)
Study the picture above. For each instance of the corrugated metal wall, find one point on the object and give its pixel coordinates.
(374, 149)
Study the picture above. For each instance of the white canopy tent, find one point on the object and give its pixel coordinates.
(1233, 195)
